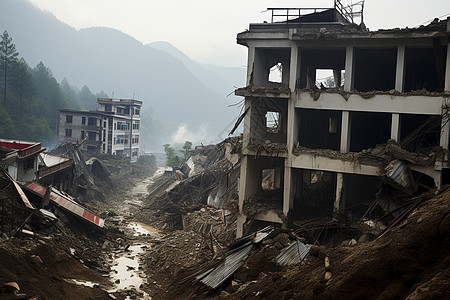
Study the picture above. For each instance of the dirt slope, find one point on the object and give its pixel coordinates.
(411, 261)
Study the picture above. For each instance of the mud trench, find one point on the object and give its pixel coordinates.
(127, 276)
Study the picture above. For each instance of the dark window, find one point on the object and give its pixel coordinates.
(28, 164)
(104, 124)
(69, 119)
(83, 120)
(92, 136)
(83, 134)
(68, 132)
(108, 107)
(92, 121)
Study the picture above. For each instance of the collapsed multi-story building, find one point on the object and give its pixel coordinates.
(113, 128)
(375, 130)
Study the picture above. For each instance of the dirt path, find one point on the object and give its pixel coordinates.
(127, 273)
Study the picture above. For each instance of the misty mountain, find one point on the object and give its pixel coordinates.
(183, 99)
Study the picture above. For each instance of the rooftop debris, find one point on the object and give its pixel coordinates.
(294, 254)
(53, 163)
(67, 203)
(234, 258)
(83, 175)
(15, 207)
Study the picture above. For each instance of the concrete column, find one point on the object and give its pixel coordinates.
(400, 70)
(277, 178)
(447, 67)
(337, 77)
(288, 197)
(241, 218)
(292, 124)
(445, 124)
(293, 68)
(395, 127)
(348, 84)
(339, 203)
(345, 132)
(250, 64)
(248, 180)
(247, 124)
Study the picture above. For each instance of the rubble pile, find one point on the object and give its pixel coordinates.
(409, 261)
(211, 179)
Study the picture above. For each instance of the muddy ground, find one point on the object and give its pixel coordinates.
(141, 254)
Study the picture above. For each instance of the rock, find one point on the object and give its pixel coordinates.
(242, 274)
(365, 238)
(278, 245)
(267, 242)
(37, 259)
(314, 251)
(352, 242)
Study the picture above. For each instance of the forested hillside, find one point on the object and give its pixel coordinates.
(31, 96)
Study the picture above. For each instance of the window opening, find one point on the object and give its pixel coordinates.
(276, 73)
(273, 121)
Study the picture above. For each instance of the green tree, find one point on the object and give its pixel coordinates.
(7, 128)
(172, 160)
(21, 84)
(69, 92)
(87, 99)
(8, 56)
(187, 147)
(49, 95)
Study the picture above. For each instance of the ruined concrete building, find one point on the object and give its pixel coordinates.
(113, 128)
(374, 130)
(20, 158)
(27, 161)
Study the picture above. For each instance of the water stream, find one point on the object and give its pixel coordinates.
(126, 272)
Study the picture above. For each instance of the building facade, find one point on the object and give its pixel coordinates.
(121, 122)
(20, 158)
(81, 127)
(378, 123)
(114, 128)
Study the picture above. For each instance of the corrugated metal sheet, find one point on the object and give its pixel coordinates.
(66, 203)
(215, 277)
(235, 258)
(263, 233)
(400, 176)
(293, 254)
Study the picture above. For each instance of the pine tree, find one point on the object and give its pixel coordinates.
(8, 56)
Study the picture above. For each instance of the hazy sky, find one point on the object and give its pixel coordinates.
(206, 29)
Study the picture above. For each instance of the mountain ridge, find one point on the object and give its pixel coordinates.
(177, 93)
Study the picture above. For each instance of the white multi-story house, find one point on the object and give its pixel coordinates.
(76, 126)
(114, 128)
(381, 124)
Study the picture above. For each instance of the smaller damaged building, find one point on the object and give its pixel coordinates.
(375, 131)
(114, 128)
(20, 158)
